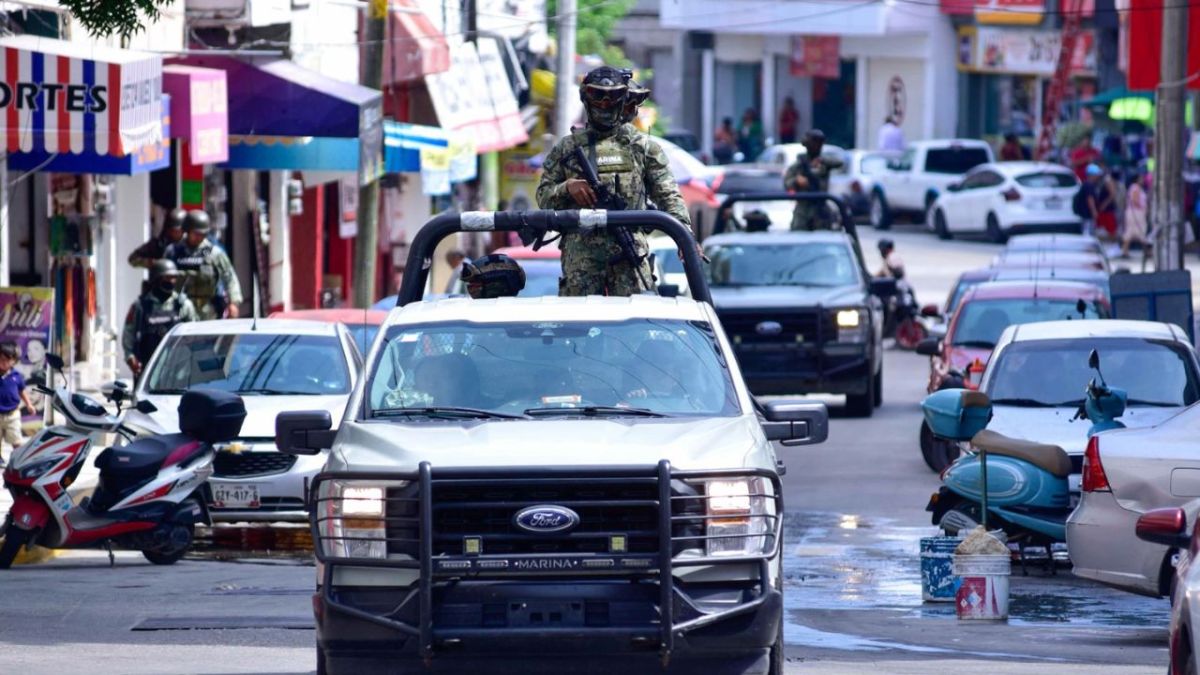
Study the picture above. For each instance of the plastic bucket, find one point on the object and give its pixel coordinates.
(982, 588)
(937, 569)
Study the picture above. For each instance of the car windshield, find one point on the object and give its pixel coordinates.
(781, 264)
(363, 334)
(955, 160)
(640, 365)
(251, 363)
(964, 284)
(980, 322)
(1152, 372)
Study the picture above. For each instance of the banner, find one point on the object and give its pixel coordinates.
(1021, 52)
(25, 316)
(1145, 44)
(816, 56)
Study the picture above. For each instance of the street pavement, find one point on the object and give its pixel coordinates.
(852, 582)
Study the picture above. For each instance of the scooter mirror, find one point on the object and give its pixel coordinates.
(1093, 359)
(55, 361)
(930, 310)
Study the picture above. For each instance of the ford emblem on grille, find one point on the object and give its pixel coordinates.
(768, 328)
(546, 519)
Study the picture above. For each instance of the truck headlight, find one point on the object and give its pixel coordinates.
(353, 521)
(851, 325)
(738, 516)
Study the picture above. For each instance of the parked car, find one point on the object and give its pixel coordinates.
(274, 365)
(802, 313)
(1038, 372)
(363, 323)
(1081, 243)
(1053, 259)
(1126, 473)
(1003, 198)
(783, 155)
(1098, 278)
(687, 141)
(1177, 528)
(856, 179)
(914, 180)
(695, 180)
(937, 327)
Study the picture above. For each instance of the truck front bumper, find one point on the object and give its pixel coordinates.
(832, 368)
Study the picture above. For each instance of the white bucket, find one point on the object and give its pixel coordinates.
(982, 586)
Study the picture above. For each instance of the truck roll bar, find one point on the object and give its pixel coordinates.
(532, 226)
(847, 218)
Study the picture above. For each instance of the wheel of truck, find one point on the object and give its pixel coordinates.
(930, 198)
(14, 540)
(994, 233)
(862, 405)
(939, 226)
(880, 214)
(778, 657)
(322, 669)
(879, 388)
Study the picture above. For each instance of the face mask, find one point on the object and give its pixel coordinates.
(166, 286)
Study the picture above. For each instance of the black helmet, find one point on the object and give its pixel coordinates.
(814, 136)
(174, 219)
(886, 244)
(757, 221)
(604, 92)
(493, 276)
(196, 221)
(637, 96)
(163, 268)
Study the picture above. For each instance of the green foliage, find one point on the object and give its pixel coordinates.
(115, 17)
(1070, 133)
(594, 24)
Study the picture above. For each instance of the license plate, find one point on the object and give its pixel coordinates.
(1054, 203)
(235, 496)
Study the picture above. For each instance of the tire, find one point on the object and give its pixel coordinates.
(879, 213)
(14, 540)
(322, 669)
(994, 233)
(173, 556)
(909, 333)
(939, 226)
(778, 657)
(938, 453)
(862, 405)
(879, 388)
(930, 198)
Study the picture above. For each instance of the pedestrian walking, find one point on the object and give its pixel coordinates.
(1106, 204)
(13, 398)
(1084, 203)
(1137, 206)
(724, 142)
(750, 135)
(1012, 150)
(631, 165)
(1083, 155)
(153, 315)
(205, 268)
(156, 248)
(789, 120)
(891, 136)
(810, 173)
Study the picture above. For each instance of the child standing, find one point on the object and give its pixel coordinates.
(12, 397)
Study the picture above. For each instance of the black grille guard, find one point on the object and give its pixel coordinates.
(661, 564)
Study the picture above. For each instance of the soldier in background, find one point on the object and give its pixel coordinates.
(154, 314)
(630, 163)
(205, 268)
(156, 248)
(810, 173)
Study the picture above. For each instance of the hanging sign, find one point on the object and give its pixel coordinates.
(25, 316)
(816, 56)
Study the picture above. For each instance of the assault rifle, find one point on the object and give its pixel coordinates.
(612, 201)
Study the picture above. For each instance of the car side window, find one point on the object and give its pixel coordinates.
(904, 162)
(982, 179)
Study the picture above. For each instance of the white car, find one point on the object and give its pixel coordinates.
(914, 180)
(856, 179)
(1127, 473)
(1006, 198)
(1081, 243)
(780, 157)
(274, 365)
(1038, 372)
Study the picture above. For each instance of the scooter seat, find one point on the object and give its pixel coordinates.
(140, 459)
(1047, 457)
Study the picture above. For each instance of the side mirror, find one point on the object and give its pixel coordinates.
(930, 311)
(1094, 359)
(145, 407)
(1164, 526)
(884, 287)
(305, 432)
(957, 414)
(55, 361)
(930, 346)
(795, 423)
(668, 290)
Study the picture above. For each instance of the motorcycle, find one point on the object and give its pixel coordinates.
(903, 318)
(149, 496)
(1027, 494)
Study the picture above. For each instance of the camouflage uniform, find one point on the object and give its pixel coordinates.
(202, 269)
(811, 215)
(149, 319)
(147, 253)
(633, 166)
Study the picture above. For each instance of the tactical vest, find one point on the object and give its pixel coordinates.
(157, 320)
(201, 273)
(621, 164)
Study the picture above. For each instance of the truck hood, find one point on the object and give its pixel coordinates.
(789, 297)
(1054, 425)
(260, 411)
(689, 443)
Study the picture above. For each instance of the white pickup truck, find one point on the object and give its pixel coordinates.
(914, 179)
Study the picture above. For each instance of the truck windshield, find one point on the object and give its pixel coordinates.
(1152, 372)
(781, 264)
(664, 366)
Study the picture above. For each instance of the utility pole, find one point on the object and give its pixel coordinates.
(1168, 139)
(564, 81)
(366, 246)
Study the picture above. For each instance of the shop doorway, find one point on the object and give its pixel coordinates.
(834, 106)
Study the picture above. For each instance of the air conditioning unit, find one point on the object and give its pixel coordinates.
(237, 13)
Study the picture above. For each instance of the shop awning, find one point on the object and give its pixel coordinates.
(474, 98)
(1109, 96)
(415, 47)
(143, 160)
(199, 111)
(402, 145)
(67, 98)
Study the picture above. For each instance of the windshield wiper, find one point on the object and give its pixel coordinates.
(454, 412)
(268, 391)
(168, 392)
(1024, 402)
(976, 343)
(596, 411)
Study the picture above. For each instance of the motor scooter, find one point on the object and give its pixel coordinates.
(1027, 494)
(902, 317)
(149, 495)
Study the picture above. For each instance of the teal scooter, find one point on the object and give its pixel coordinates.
(1017, 485)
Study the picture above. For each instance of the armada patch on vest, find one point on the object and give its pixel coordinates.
(613, 162)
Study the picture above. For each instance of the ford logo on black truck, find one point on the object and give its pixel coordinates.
(546, 519)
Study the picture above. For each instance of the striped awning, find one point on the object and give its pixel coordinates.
(402, 144)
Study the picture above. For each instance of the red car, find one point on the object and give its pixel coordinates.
(363, 324)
